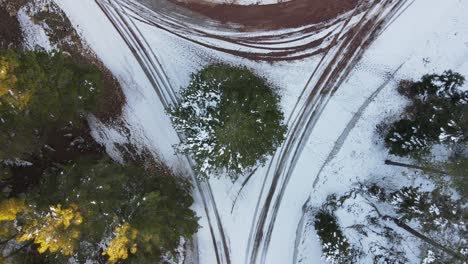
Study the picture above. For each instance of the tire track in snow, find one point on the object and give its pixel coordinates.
(253, 226)
(145, 60)
(146, 63)
(265, 51)
(352, 123)
(300, 229)
(336, 148)
(331, 77)
(295, 146)
(154, 75)
(291, 117)
(341, 139)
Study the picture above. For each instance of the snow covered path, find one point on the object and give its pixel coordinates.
(153, 55)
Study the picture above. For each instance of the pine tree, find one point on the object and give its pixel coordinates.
(230, 118)
(457, 167)
(40, 91)
(335, 246)
(438, 114)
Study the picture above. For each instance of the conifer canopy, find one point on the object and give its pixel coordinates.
(230, 118)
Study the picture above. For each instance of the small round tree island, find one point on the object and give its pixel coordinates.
(231, 120)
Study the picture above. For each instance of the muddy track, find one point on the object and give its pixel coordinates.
(296, 44)
(354, 44)
(161, 84)
(291, 14)
(166, 16)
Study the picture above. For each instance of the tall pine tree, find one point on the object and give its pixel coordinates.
(231, 120)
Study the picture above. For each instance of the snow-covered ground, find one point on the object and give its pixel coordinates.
(34, 35)
(435, 41)
(429, 36)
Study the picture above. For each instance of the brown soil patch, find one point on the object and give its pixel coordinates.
(291, 14)
(10, 31)
(112, 100)
(12, 6)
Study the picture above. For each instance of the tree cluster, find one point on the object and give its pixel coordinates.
(388, 220)
(94, 206)
(82, 207)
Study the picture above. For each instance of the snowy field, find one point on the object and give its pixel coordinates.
(429, 36)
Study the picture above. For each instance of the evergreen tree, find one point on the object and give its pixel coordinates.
(230, 118)
(40, 91)
(459, 169)
(335, 246)
(438, 114)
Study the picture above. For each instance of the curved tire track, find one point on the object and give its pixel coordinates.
(245, 45)
(352, 123)
(341, 49)
(166, 94)
(328, 83)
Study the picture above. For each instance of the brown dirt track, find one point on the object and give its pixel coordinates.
(291, 14)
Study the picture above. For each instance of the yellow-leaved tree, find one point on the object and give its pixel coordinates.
(122, 243)
(9, 210)
(10, 93)
(11, 207)
(56, 231)
(7, 78)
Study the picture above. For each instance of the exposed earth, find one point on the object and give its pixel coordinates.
(290, 14)
(237, 2)
(10, 33)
